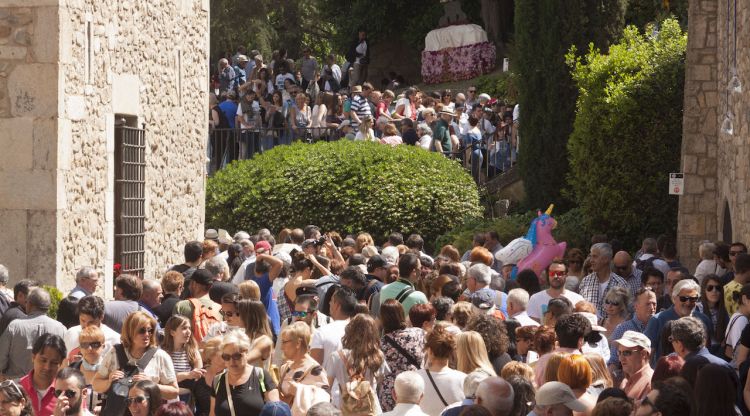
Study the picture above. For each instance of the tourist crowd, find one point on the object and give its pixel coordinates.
(305, 323)
(259, 104)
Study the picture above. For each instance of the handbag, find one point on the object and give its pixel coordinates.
(118, 390)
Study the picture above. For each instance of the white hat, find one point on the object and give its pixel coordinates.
(631, 339)
(594, 321)
(554, 392)
(224, 237)
(484, 96)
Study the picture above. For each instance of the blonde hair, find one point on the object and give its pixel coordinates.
(553, 364)
(517, 368)
(298, 332)
(599, 369)
(237, 338)
(131, 325)
(471, 353)
(210, 348)
(363, 240)
(249, 290)
(91, 333)
(461, 313)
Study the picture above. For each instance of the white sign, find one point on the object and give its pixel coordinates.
(676, 183)
(506, 64)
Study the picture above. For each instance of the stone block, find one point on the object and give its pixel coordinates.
(29, 189)
(12, 52)
(42, 246)
(693, 224)
(33, 90)
(75, 107)
(694, 184)
(45, 144)
(690, 164)
(46, 49)
(16, 142)
(30, 3)
(126, 90)
(13, 256)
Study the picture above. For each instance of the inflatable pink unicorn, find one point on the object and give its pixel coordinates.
(545, 248)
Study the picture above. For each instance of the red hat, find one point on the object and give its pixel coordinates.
(263, 244)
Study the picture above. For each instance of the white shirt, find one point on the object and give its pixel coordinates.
(370, 136)
(524, 319)
(537, 305)
(239, 277)
(450, 382)
(328, 338)
(71, 337)
(406, 409)
(425, 142)
(734, 329)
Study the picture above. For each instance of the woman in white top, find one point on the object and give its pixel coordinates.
(737, 323)
(443, 385)
(319, 113)
(365, 132)
(361, 356)
(425, 136)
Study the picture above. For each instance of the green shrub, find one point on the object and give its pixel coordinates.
(344, 186)
(55, 297)
(501, 85)
(644, 12)
(628, 133)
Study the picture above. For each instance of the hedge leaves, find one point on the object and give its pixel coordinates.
(344, 186)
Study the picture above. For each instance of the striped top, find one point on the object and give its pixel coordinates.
(181, 362)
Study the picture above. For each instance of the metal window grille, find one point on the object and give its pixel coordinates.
(130, 184)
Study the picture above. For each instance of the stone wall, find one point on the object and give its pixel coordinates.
(715, 162)
(28, 137)
(67, 69)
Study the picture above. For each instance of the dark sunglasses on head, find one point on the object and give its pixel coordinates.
(136, 399)
(68, 393)
(234, 357)
(685, 299)
(711, 288)
(12, 384)
(91, 345)
(146, 330)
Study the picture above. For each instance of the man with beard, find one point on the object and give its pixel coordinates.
(71, 391)
(557, 272)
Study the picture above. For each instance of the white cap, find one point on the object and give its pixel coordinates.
(554, 392)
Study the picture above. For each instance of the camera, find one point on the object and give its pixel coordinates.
(320, 241)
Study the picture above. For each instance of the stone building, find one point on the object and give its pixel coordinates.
(716, 135)
(103, 119)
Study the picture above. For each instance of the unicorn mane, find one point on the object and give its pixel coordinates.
(531, 234)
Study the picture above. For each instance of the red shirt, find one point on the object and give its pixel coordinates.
(47, 406)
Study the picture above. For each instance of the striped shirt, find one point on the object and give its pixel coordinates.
(361, 107)
(180, 362)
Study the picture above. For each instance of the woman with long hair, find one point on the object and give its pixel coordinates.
(360, 356)
(716, 391)
(13, 400)
(601, 377)
(402, 346)
(733, 349)
(255, 323)
(471, 354)
(183, 349)
(712, 305)
(495, 337)
(575, 371)
(144, 398)
(367, 134)
(443, 385)
(616, 304)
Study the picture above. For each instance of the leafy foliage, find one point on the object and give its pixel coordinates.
(501, 85)
(569, 229)
(644, 12)
(545, 31)
(628, 132)
(55, 297)
(344, 186)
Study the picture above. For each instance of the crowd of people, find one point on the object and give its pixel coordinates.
(257, 105)
(311, 323)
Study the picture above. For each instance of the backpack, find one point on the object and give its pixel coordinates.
(642, 265)
(118, 391)
(203, 318)
(357, 395)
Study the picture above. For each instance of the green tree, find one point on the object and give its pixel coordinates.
(545, 31)
(628, 132)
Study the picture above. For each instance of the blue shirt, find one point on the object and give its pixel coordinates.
(269, 301)
(657, 322)
(631, 325)
(229, 108)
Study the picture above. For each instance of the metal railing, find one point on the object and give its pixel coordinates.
(226, 145)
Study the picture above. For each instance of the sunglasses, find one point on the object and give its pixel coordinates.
(734, 253)
(691, 299)
(299, 314)
(68, 393)
(711, 288)
(136, 399)
(229, 314)
(472, 91)
(146, 330)
(612, 303)
(14, 386)
(557, 274)
(91, 345)
(628, 353)
(234, 357)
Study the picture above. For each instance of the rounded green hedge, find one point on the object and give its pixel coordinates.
(344, 186)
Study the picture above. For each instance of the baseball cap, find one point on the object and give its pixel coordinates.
(263, 244)
(203, 277)
(482, 299)
(632, 339)
(554, 392)
(375, 262)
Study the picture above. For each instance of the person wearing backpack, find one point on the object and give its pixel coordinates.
(199, 308)
(137, 358)
(359, 367)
